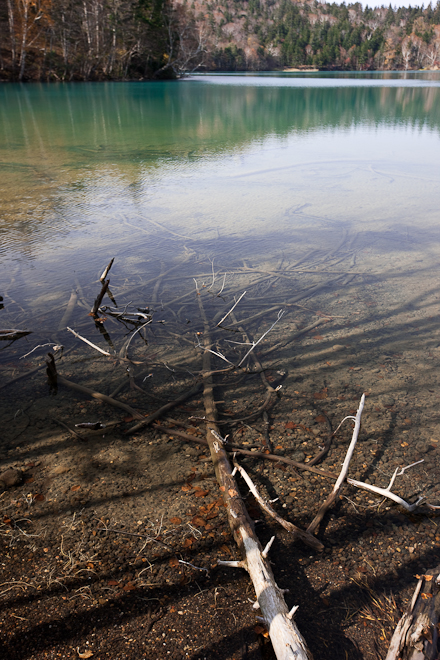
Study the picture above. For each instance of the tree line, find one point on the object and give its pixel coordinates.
(146, 39)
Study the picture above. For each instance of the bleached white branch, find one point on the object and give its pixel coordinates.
(386, 492)
(232, 308)
(89, 342)
(254, 344)
(290, 527)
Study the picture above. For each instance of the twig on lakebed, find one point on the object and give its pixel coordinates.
(168, 406)
(308, 539)
(99, 298)
(340, 480)
(386, 492)
(101, 397)
(106, 271)
(89, 342)
(274, 458)
(12, 333)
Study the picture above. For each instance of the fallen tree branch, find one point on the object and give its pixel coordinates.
(295, 335)
(161, 411)
(386, 492)
(416, 635)
(69, 310)
(98, 301)
(89, 342)
(246, 452)
(337, 487)
(287, 641)
(308, 539)
(98, 395)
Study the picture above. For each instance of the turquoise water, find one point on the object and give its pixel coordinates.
(242, 167)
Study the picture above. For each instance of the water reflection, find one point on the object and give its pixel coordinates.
(151, 123)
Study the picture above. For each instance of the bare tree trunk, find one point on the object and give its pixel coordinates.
(12, 33)
(24, 33)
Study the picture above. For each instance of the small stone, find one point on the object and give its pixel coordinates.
(388, 401)
(338, 347)
(298, 456)
(11, 477)
(60, 469)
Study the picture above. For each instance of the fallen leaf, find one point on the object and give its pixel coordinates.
(320, 419)
(224, 548)
(232, 492)
(174, 562)
(322, 394)
(261, 630)
(90, 565)
(129, 419)
(198, 521)
(188, 543)
(175, 520)
(113, 583)
(290, 425)
(201, 493)
(186, 488)
(77, 487)
(128, 587)
(29, 480)
(88, 653)
(426, 596)
(39, 497)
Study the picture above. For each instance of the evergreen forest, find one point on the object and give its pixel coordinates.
(68, 40)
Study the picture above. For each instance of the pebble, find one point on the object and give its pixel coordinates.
(388, 401)
(338, 347)
(11, 477)
(60, 469)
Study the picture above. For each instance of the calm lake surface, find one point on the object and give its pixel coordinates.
(231, 168)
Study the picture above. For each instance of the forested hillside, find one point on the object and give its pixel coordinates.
(142, 39)
(266, 34)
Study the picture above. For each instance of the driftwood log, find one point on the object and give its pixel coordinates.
(287, 641)
(416, 635)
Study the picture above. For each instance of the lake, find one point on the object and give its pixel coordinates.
(298, 213)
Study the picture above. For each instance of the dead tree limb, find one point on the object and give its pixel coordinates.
(416, 635)
(161, 411)
(287, 641)
(98, 395)
(308, 539)
(338, 485)
(99, 298)
(246, 452)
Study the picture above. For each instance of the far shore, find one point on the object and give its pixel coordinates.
(308, 69)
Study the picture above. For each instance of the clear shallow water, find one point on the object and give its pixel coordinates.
(240, 167)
